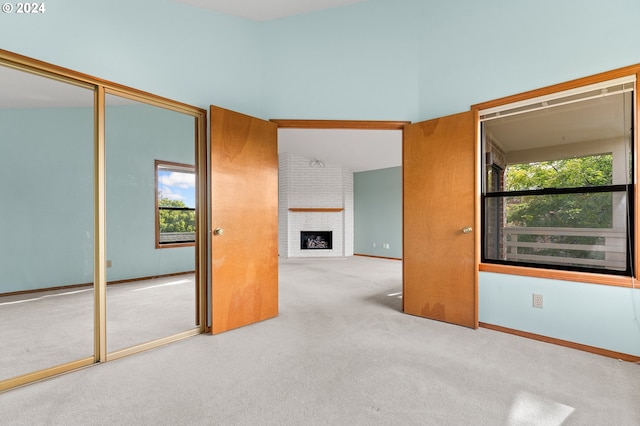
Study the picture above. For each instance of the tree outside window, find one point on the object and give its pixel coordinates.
(592, 210)
(558, 183)
(175, 204)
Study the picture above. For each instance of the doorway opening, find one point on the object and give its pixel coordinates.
(344, 177)
(353, 177)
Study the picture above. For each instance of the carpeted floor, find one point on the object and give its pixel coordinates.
(44, 329)
(340, 353)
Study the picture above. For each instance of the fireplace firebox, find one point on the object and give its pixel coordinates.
(316, 240)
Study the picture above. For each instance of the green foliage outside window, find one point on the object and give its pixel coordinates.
(592, 210)
(585, 210)
(176, 220)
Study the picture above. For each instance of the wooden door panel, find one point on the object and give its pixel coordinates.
(439, 263)
(244, 186)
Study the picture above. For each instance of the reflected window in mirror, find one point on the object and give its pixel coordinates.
(175, 204)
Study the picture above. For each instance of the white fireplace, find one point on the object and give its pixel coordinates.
(314, 198)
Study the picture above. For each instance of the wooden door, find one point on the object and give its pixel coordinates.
(244, 189)
(439, 258)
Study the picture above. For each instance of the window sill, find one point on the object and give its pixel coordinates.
(174, 245)
(581, 277)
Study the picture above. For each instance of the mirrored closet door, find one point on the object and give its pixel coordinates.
(101, 237)
(46, 222)
(150, 222)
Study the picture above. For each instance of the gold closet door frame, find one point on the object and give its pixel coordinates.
(101, 88)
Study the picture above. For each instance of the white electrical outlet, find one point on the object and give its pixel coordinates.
(537, 301)
(373, 245)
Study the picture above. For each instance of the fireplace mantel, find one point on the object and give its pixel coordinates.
(316, 209)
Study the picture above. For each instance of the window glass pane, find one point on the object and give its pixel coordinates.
(588, 143)
(176, 204)
(567, 165)
(594, 170)
(592, 210)
(572, 230)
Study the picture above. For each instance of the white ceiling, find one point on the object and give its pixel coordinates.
(266, 10)
(355, 150)
(592, 120)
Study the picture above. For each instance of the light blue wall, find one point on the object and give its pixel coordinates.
(378, 212)
(590, 314)
(46, 170)
(46, 219)
(170, 49)
(473, 51)
(353, 62)
(416, 59)
(136, 136)
(379, 59)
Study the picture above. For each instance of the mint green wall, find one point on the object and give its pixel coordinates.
(418, 59)
(377, 59)
(590, 314)
(46, 170)
(136, 136)
(170, 49)
(353, 62)
(477, 51)
(378, 212)
(46, 176)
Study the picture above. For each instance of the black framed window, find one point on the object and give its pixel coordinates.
(558, 184)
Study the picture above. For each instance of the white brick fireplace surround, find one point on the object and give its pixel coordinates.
(314, 196)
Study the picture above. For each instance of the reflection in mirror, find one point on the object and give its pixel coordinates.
(557, 179)
(175, 212)
(47, 246)
(151, 291)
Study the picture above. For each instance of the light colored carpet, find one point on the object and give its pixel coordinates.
(44, 329)
(340, 353)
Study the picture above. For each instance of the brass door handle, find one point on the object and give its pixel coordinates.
(467, 230)
(218, 231)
